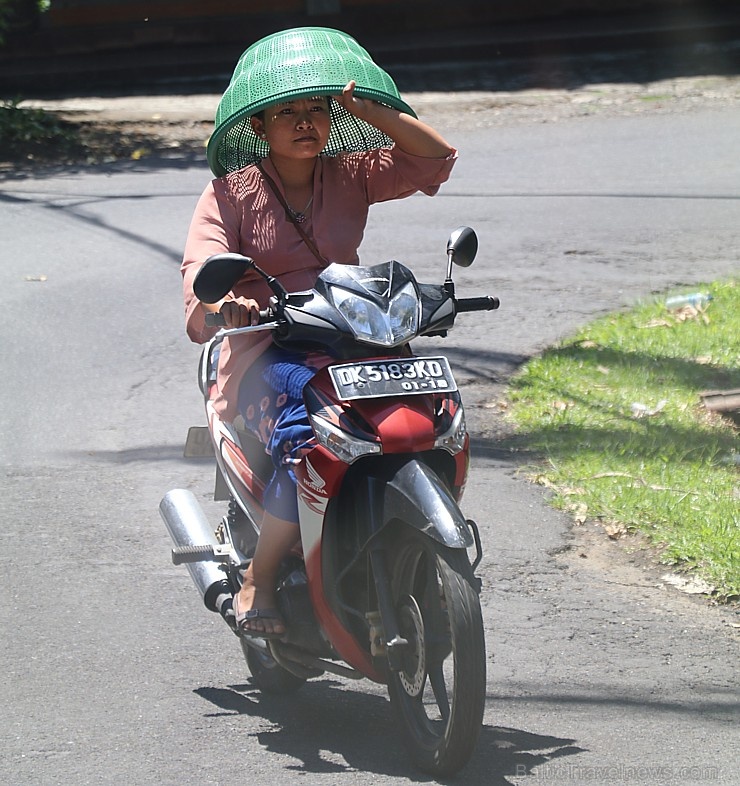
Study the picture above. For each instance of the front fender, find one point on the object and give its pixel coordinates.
(415, 495)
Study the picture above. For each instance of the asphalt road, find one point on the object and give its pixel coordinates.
(111, 669)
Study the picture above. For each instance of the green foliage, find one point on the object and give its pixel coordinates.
(5, 13)
(24, 130)
(615, 416)
(19, 14)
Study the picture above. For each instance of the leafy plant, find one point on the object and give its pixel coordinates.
(20, 13)
(23, 129)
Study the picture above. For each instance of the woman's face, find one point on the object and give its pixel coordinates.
(295, 129)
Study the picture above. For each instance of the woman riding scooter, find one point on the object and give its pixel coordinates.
(299, 158)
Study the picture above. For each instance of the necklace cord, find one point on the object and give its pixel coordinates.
(289, 213)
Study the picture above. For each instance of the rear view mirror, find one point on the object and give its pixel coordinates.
(462, 246)
(218, 276)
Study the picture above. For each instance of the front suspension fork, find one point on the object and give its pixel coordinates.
(395, 645)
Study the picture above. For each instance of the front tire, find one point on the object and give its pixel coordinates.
(439, 693)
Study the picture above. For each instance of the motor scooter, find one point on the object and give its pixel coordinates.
(383, 585)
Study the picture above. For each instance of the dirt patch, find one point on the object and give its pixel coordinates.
(631, 561)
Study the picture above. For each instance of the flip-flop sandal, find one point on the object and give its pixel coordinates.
(244, 617)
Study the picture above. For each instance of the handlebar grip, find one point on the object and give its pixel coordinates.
(216, 318)
(486, 303)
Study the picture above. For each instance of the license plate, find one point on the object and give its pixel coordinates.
(402, 377)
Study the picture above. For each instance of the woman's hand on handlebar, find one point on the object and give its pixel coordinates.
(238, 312)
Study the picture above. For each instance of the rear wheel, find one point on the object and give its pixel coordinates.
(268, 675)
(439, 693)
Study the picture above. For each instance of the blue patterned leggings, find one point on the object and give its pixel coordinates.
(271, 403)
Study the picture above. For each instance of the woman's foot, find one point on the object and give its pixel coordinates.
(255, 612)
(254, 605)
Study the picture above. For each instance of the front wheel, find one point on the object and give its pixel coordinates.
(439, 692)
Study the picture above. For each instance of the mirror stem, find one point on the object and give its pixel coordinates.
(277, 288)
(449, 284)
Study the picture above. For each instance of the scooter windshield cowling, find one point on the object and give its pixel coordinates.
(380, 304)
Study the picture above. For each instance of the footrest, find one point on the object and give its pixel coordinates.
(182, 555)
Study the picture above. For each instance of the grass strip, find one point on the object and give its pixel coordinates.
(618, 430)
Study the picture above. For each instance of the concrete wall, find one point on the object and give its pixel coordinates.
(416, 14)
(85, 43)
(72, 26)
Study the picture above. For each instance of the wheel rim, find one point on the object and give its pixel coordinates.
(427, 678)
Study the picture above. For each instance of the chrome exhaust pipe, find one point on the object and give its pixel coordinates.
(188, 527)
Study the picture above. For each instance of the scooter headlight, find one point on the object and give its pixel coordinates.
(339, 443)
(371, 324)
(404, 314)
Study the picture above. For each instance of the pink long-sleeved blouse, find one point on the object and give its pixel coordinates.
(239, 212)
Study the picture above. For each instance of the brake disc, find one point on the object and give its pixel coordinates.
(413, 674)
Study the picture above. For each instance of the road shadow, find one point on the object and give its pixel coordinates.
(324, 729)
(78, 208)
(190, 155)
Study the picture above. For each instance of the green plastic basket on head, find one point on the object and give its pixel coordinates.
(299, 63)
